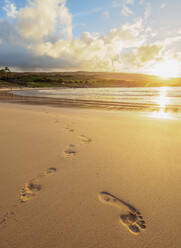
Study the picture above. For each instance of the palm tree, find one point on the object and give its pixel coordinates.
(2, 72)
(7, 71)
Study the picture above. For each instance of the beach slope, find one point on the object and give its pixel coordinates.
(88, 178)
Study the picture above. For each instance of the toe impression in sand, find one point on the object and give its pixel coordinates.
(130, 217)
(49, 171)
(70, 151)
(29, 190)
(85, 139)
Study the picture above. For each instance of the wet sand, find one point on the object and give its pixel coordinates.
(88, 178)
(8, 96)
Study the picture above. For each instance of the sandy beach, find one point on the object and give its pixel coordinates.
(81, 178)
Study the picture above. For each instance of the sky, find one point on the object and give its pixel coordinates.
(142, 36)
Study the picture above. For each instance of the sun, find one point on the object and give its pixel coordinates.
(167, 69)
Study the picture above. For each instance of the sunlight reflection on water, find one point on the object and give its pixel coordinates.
(162, 100)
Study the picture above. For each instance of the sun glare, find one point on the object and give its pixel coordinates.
(167, 69)
(162, 100)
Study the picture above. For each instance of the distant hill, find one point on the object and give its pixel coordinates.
(83, 79)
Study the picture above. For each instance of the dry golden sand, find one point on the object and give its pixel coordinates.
(88, 178)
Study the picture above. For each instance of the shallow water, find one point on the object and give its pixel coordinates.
(162, 97)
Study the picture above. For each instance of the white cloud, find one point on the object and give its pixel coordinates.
(171, 40)
(66, 20)
(40, 18)
(147, 12)
(150, 32)
(126, 11)
(128, 35)
(143, 56)
(10, 9)
(93, 51)
(33, 42)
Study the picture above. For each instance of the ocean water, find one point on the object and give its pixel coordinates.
(163, 98)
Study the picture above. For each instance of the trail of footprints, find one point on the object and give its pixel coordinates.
(33, 187)
(70, 151)
(28, 191)
(130, 217)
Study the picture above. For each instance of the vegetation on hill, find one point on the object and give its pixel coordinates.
(81, 79)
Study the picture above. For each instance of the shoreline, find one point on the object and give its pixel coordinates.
(6, 96)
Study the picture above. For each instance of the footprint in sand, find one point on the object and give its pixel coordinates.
(69, 129)
(70, 151)
(130, 217)
(4, 218)
(85, 139)
(49, 171)
(31, 188)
